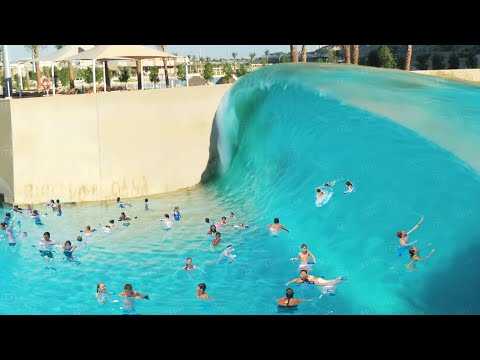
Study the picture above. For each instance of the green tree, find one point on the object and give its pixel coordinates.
(242, 70)
(332, 56)
(421, 61)
(373, 58)
(252, 57)
(386, 57)
(408, 57)
(267, 54)
(471, 61)
(70, 70)
(181, 72)
(284, 58)
(165, 64)
(124, 74)
(208, 71)
(234, 57)
(88, 76)
(154, 75)
(438, 62)
(63, 76)
(453, 61)
(227, 69)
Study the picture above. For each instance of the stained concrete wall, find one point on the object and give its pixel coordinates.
(99, 146)
(459, 74)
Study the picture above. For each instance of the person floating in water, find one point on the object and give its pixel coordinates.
(201, 294)
(8, 231)
(403, 236)
(88, 230)
(288, 301)
(240, 226)
(328, 286)
(122, 204)
(17, 209)
(146, 204)
(276, 226)
(415, 256)
(306, 258)
(349, 187)
(176, 214)
(231, 214)
(227, 254)
(36, 218)
(222, 223)
(124, 217)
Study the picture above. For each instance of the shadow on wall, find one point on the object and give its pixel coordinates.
(212, 170)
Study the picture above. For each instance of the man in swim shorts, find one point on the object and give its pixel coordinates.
(46, 247)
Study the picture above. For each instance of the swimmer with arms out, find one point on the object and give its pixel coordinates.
(288, 300)
(276, 226)
(404, 235)
(414, 257)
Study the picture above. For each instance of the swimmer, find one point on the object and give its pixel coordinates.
(146, 204)
(46, 247)
(167, 221)
(201, 294)
(24, 234)
(231, 214)
(328, 286)
(122, 204)
(306, 257)
(11, 239)
(276, 226)
(216, 240)
(222, 223)
(414, 257)
(111, 224)
(88, 230)
(102, 295)
(349, 187)
(189, 265)
(207, 222)
(227, 254)
(240, 226)
(129, 292)
(51, 204)
(58, 208)
(124, 217)
(213, 229)
(8, 218)
(17, 209)
(288, 300)
(68, 249)
(404, 235)
(176, 214)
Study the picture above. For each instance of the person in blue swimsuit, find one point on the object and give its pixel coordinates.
(176, 214)
(403, 236)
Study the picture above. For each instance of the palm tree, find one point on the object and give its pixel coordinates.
(165, 65)
(139, 74)
(304, 53)
(267, 53)
(234, 57)
(346, 49)
(175, 64)
(408, 57)
(71, 75)
(355, 54)
(252, 57)
(293, 53)
(35, 49)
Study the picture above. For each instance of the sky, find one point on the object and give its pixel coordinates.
(17, 52)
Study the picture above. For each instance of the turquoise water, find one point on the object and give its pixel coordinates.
(407, 142)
